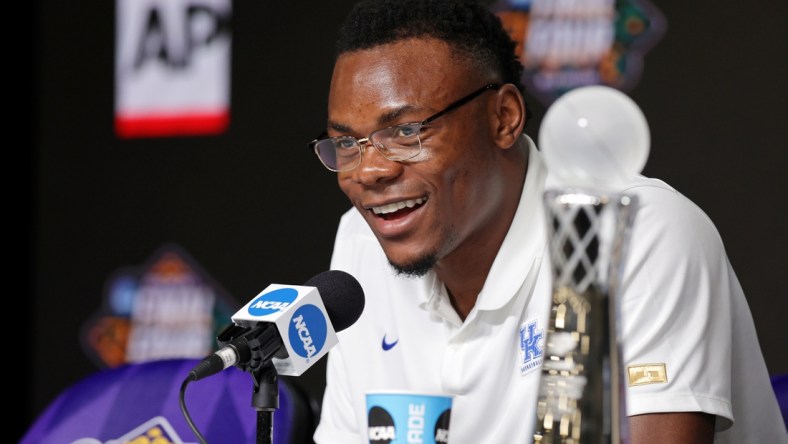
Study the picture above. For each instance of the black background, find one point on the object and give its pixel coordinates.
(253, 206)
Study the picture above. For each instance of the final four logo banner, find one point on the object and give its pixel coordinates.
(301, 320)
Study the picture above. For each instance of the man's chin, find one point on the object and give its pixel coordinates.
(415, 269)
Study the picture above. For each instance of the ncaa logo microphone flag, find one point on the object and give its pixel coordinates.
(301, 320)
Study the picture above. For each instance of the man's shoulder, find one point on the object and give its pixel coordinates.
(669, 232)
(657, 195)
(662, 203)
(652, 188)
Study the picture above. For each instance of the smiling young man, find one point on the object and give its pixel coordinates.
(425, 132)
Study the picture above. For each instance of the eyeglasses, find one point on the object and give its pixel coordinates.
(397, 143)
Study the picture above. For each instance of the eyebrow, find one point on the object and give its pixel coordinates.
(385, 119)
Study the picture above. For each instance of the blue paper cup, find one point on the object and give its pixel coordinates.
(405, 417)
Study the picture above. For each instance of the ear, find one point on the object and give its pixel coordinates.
(507, 119)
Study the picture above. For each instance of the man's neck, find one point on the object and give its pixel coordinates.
(465, 270)
(464, 283)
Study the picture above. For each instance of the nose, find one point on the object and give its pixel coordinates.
(374, 168)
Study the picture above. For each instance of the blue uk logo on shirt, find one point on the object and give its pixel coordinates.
(531, 342)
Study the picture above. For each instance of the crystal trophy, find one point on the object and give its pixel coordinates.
(595, 140)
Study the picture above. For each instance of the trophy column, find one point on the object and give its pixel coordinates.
(581, 396)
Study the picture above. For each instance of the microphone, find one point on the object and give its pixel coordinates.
(289, 325)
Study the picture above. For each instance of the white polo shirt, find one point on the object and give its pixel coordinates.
(682, 307)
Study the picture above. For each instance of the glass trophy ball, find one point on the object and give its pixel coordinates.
(594, 137)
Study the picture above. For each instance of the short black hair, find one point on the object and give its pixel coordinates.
(466, 25)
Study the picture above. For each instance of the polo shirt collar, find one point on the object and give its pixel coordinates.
(524, 244)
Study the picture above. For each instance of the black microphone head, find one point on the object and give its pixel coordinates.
(341, 294)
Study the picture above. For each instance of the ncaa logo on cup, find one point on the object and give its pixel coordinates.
(381, 428)
(407, 418)
(307, 332)
(272, 302)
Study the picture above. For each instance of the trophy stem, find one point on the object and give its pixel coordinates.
(581, 397)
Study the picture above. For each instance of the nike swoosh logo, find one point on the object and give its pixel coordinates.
(388, 345)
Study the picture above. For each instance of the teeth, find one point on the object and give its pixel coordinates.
(392, 207)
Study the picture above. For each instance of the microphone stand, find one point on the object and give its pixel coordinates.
(265, 400)
(263, 346)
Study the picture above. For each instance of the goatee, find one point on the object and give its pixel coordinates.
(417, 268)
